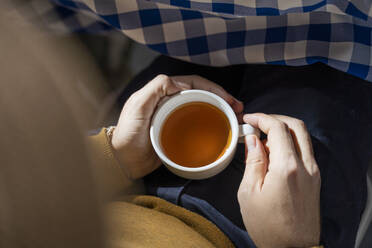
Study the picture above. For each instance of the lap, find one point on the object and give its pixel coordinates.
(335, 108)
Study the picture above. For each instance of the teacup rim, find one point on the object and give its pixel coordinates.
(233, 124)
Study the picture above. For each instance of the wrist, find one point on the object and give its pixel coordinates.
(109, 134)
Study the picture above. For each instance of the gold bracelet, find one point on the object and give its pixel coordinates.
(109, 134)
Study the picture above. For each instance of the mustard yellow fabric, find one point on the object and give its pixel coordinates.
(147, 221)
(111, 178)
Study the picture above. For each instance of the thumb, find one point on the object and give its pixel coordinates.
(162, 86)
(147, 98)
(256, 163)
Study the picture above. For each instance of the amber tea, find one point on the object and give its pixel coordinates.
(195, 134)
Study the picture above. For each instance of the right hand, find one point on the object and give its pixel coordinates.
(279, 195)
(131, 139)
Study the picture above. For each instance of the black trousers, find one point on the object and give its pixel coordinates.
(337, 110)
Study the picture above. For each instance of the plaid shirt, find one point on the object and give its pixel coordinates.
(226, 32)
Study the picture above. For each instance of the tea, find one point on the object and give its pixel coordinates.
(195, 134)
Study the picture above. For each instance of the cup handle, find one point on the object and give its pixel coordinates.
(246, 129)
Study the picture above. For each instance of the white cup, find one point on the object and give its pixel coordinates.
(166, 108)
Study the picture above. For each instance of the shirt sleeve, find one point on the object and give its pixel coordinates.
(110, 176)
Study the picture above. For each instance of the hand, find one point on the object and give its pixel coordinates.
(280, 191)
(131, 138)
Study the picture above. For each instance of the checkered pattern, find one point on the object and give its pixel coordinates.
(226, 32)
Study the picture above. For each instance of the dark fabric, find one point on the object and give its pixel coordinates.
(336, 108)
(238, 236)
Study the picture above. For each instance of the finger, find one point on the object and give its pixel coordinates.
(197, 82)
(240, 118)
(279, 139)
(256, 164)
(146, 99)
(301, 139)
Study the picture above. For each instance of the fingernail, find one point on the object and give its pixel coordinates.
(249, 116)
(251, 142)
(182, 85)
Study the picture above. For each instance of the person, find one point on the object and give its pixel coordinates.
(333, 105)
(53, 183)
(281, 183)
(290, 188)
(275, 90)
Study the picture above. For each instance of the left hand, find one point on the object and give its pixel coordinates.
(279, 195)
(131, 138)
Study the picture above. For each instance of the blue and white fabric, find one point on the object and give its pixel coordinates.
(226, 32)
